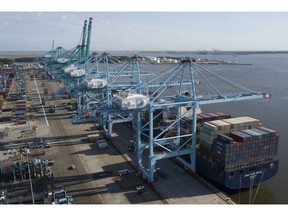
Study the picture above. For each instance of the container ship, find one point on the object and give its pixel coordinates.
(234, 152)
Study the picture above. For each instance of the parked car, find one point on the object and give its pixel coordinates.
(102, 144)
(103, 174)
(47, 145)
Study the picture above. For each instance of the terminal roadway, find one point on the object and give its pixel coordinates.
(71, 147)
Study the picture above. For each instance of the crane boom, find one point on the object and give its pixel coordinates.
(88, 38)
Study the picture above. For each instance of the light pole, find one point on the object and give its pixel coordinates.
(31, 186)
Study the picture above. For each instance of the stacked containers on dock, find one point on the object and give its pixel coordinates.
(20, 110)
(3, 94)
(20, 105)
(1, 101)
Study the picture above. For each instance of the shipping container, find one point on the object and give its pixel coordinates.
(272, 132)
(223, 115)
(239, 136)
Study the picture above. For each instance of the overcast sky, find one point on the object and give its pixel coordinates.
(35, 31)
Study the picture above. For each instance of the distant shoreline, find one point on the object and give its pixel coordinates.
(16, 54)
(13, 55)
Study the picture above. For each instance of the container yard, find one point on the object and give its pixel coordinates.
(86, 128)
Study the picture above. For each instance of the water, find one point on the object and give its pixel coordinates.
(269, 73)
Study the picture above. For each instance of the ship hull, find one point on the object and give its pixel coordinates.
(236, 179)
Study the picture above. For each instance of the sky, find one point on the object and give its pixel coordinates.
(33, 30)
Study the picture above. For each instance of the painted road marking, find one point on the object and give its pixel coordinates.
(41, 103)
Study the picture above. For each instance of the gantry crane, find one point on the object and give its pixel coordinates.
(179, 92)
(58, 58)
(81, 51)
(91, 90)
(128, 76)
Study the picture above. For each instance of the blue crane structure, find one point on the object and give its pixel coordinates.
(73, 75)
(181, 90)
(58, 58)
(119, 81)
(81, 51)
(91, 90)
(77, 75)
(121, 76)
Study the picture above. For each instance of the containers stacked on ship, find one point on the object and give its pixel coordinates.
(186, 122)
(237, 152)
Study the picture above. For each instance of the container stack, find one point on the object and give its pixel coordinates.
(221, 149)
(223, 115)
(207, 135)
(20, 108)
(201, 118)
(237, 142)
(209, 132)
(186, 122)
(19, 111)
(186, 125)
(242, 123)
